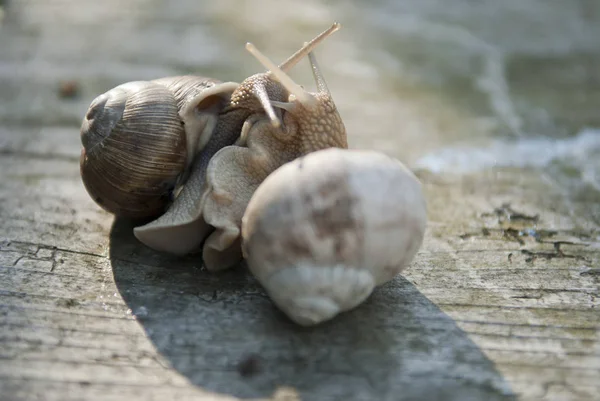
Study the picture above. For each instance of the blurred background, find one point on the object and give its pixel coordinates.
(447, 86)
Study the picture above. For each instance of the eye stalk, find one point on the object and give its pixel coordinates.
(309, 46)
(304, 97)
(297, 93)
(318, 75)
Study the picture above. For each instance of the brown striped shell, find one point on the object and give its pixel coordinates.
(140, 139)
(134, 149)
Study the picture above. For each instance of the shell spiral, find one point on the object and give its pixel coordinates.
(323, 230)
(134, 149)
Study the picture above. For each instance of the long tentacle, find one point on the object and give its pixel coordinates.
(301, 95)
(317, 74)
(260, 91)
(308, 46)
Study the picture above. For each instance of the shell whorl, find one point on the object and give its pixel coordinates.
(134, 149)
(186, 87)
(311, 294)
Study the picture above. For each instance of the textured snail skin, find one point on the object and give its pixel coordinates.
(235, 172)
(134, 149)
(182, 229)
(322, 231)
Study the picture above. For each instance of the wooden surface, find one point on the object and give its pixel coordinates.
(88, 313)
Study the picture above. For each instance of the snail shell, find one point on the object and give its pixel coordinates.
(140, 137)
(322, 231)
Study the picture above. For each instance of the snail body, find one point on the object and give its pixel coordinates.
(139, 140)
(183, 228)
(310, 122)
(322, 231)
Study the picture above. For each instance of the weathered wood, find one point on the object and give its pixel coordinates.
(491, 308)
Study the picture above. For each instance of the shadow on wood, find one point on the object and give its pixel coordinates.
(223, 333)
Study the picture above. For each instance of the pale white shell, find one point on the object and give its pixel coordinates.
(323, 230)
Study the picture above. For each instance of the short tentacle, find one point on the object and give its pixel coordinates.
(287, 106)
(263, 97)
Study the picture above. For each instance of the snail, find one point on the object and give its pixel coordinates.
(140, 138)
(310, 122)
(182, 229)
(322, 231)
